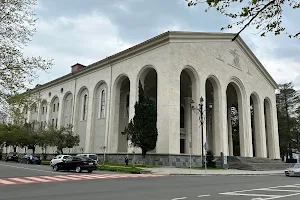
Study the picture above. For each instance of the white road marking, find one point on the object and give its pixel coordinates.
(6, 182)
(39, 170)
(179, 198)
(250, 195)
(37, 179)
(282, 196)
(21, 180)
(278, 190)
(68, 177)
(205, 195)
(53, 178)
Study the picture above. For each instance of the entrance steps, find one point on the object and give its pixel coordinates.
(256, 164)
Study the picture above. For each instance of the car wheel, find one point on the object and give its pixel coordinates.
(286, 174)
(78, 169)
(5, 160)
(90, 171)
(55, 168)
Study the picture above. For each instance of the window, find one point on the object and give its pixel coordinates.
(102, 104)
(56, 123)
(57, 107)
(126, 107)
(43, 110)
(41, 124)
(84, 107)
(26, 110)
(52, 122)
(53, 107)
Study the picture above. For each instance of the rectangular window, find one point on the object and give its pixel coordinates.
(35, 109)
(102, 105)
(43, 112)
(56, 123)
(52, 122)
(53, 107)
(57, 107)
(41, 124)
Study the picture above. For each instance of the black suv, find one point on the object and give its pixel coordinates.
(12, 156)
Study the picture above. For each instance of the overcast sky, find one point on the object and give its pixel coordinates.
(85, 31)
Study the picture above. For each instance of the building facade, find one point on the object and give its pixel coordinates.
(175, 69)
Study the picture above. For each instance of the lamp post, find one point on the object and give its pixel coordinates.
(200, 110)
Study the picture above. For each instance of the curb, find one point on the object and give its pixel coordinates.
(223, 174)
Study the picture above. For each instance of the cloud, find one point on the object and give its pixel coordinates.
(84, 39)
(122, 7)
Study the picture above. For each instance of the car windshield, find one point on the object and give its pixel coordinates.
(83, 158)
(94, 157)
(297, 165)
(69, 158)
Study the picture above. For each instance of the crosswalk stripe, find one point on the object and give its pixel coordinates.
(68, 177)
(53, 178)
(38, 179)
(6, 182)
(21, 180)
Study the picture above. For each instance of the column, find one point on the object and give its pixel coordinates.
(187, 125)
(275, 131)
(203, 95)
(168, 106)
(60, 112)
(259, 130)
(48, 120)
(223, 125)
(248, 132)
(229, 125)
(89, 124)
(244, 113)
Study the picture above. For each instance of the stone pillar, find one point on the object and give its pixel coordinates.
(275, 130)
(187, 125)
(48, 120)
(223, 123)
(230, 139)
(89, 120)
(168, 107)
(259, 130)
(248, 132)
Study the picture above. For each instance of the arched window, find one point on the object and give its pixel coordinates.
(102, 104)
(84, 110)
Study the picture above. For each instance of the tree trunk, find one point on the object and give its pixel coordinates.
(143, 156)
(33, 149)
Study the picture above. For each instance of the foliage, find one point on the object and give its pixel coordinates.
(132, 170)
(63, 138)
(210, 159)
(286, 102)
(17, 71)
(265, 15)
(142, 130)
(235, 131)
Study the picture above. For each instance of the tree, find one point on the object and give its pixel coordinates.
(62, 138)
(286, 101)
(264, 15)
(17, 71)
(142, 129)
(210, 159)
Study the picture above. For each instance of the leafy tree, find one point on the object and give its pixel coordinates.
(265, 16)
(286, 101)
(17, 71)
(142, 130)
(62, 138)
(210, 159)
(235, 131)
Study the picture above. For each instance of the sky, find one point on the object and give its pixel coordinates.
(86, 31)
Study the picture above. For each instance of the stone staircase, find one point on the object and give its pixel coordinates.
(256, 164)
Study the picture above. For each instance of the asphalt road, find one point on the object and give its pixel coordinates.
(154, 188)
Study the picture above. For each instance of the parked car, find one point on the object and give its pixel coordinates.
(92, 156)
(31, 159)
(12, 156)
(294, 171)
(58, 159)
(77, 163)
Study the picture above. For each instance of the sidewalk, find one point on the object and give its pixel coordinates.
(184, 171)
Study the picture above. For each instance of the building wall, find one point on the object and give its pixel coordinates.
(206, 58)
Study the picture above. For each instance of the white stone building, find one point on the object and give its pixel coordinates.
(174, 68)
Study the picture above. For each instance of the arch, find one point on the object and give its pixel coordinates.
(53, 112)
(212, 96)
(67, 109)
(189, 89)
(43, 113)
(237, 136)
(99, 116)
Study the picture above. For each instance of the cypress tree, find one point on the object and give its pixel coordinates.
(142, 129)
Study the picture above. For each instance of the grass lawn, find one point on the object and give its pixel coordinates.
(132, 170)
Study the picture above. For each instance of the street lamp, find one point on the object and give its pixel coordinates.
(200, 110)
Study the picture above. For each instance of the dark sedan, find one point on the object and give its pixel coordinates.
(77, 163)
(13, 156)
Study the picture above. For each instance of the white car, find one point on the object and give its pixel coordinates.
(92, 156)
(294, 171)
(58, 159)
